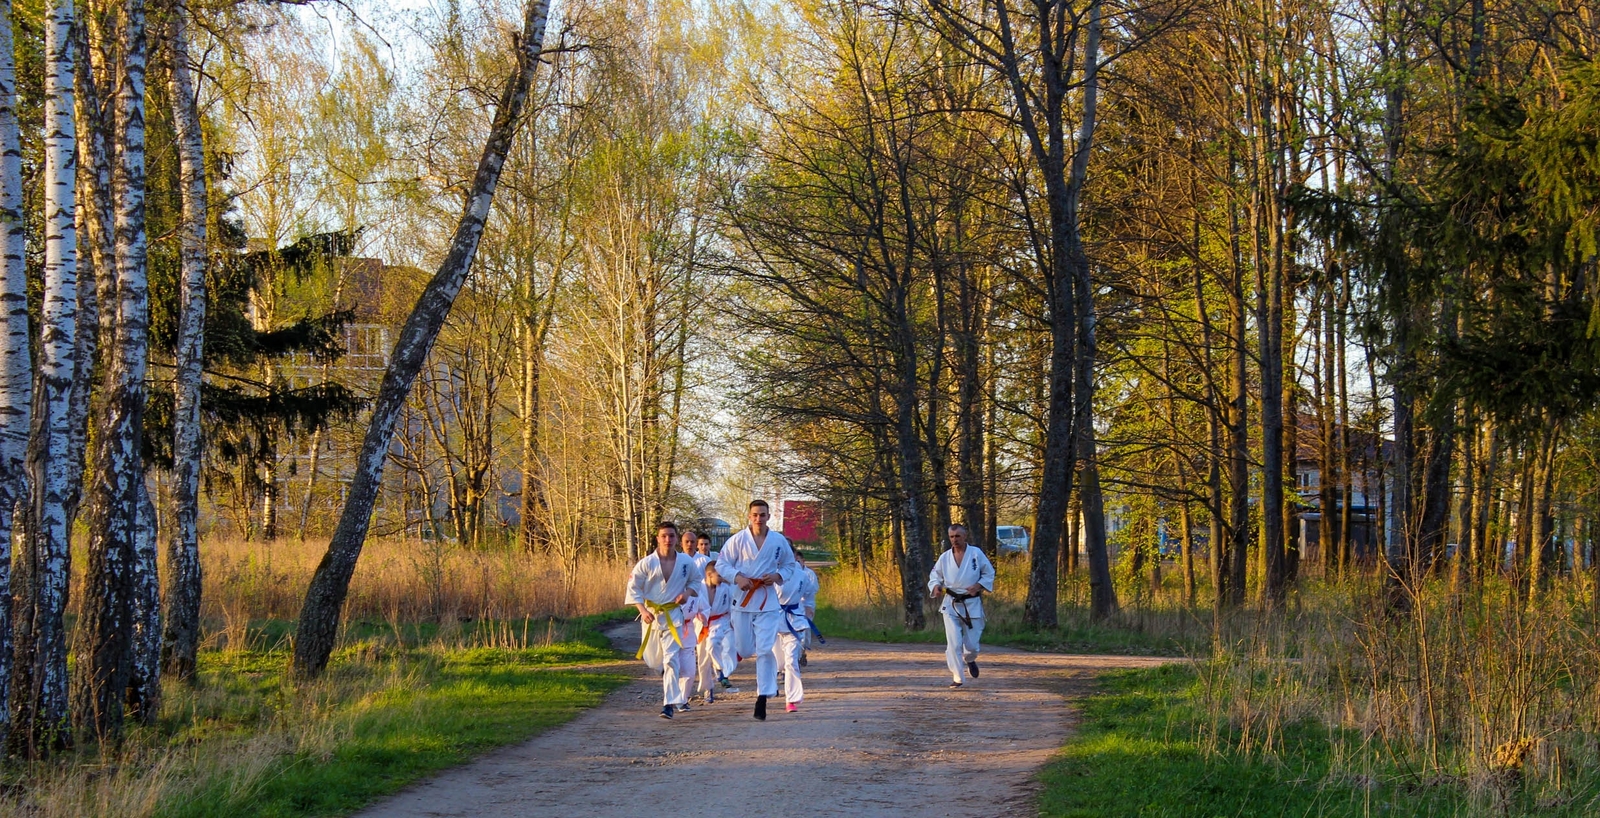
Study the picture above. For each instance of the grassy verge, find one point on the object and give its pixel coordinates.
(396, 705)
(1127, 636)
(1145, 748)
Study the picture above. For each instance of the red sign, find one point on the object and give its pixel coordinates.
(802, 521)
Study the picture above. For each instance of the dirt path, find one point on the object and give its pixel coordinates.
(879, 734)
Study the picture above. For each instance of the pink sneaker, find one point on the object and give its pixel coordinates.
(791, 707)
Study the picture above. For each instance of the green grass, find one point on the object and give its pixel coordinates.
(1139, 751)
(390, 713)
(1075, 635)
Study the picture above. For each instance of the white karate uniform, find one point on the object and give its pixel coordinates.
(961, 638)
(701, 561)
(756, 614)
(715, 648)
(694, 609)
(793, 629)
(809, 603)
(647, 584)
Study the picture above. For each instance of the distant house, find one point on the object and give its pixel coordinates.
(718, 530)
(1371, 456)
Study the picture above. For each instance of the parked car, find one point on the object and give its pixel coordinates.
(1010, 539)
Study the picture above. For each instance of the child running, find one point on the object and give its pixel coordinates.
(715, 645)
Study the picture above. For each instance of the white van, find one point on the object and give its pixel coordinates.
(1010, 539)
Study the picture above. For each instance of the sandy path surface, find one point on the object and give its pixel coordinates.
(879, 734)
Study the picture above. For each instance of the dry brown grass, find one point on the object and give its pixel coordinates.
(412, 606)
(1480, 691)
(400, 581)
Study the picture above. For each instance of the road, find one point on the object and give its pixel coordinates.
(879, 734)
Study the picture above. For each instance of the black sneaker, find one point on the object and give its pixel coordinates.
(683, 708)
(955, 685)
(972, 667)
(666, 712)
(761, 708)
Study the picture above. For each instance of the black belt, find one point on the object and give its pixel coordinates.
(966, 618)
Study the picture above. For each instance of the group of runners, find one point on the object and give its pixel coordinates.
(703, 614)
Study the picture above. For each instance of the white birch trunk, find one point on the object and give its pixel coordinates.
(47, 560)
(183, 554)
(105, 654)
(144, 681)
(16, 390)
(95, 270)
(319, 614)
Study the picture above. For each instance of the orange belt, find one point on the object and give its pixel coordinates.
(754, 584)
(709, 620)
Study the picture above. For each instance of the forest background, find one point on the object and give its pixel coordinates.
(1275, 324)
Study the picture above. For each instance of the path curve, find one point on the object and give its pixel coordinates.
(879, 734)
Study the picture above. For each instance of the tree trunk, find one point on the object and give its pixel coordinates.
(319, 614)
(183, 555)
(144, 679)
(1237, 551)
(103, 644)
(40, 725)
(16, 369)
(1072, 338)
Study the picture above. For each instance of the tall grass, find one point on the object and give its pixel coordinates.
(431, 632)
(1479, 692)
(866, 604)
(400, 581)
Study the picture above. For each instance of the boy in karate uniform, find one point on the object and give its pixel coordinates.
(961, 574)
(715, 645)
(809, 605)
(759, 561)
(659, 586)
(797, 601)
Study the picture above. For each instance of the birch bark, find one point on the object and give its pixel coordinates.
(183, 554)
(42, 682)
(16, 391)
(105, 649)
(319, 614)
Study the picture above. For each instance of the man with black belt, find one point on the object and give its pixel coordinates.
(962, 575)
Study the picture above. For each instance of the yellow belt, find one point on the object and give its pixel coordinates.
(660, 610)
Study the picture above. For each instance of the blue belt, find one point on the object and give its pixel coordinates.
(793, 610)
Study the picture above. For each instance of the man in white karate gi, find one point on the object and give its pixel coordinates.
(759, 561)
(659, 586)
(962, 575)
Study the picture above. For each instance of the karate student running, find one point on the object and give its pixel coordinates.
(698, 547)
(809, 605)
(660, 585)
(715, 644)
(962, 574)
(797, 600)
(759, 561)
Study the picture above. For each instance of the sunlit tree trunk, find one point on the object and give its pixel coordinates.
(319, 614)
(16, 368)
(104, 645)
(42, 673)
(183, 552)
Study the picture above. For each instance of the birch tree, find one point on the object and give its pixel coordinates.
(183, 554)
(41, 674)
(319, 614)
(16, 391)
(115, 568)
